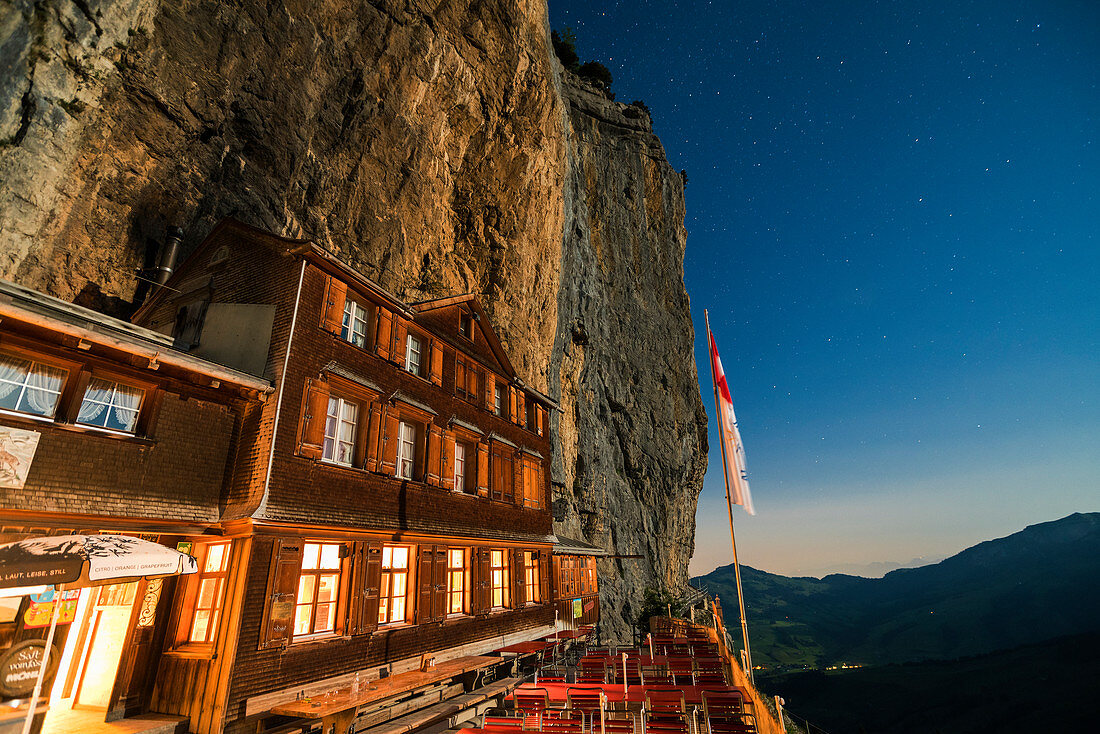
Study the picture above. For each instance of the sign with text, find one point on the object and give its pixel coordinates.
(17, 448)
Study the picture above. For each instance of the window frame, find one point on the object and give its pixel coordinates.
(460, 467)
(466, 324)
(341, 404)
(420, 342)
(531, 579)
(385, 584)
(141, 421)
(70, 369)
(406, 444)
(498, 399)
(502, 572)
(462, 573)
(220, 576)
(348, 321)
(334, 603)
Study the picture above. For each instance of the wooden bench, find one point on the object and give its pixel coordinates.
(337, 709)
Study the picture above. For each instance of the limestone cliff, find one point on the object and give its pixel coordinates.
(632, 438)
(433, 145)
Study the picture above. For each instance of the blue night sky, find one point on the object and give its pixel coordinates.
(893, 220)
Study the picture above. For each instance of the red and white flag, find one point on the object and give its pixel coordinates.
(736, 476)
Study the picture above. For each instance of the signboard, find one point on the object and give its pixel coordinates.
(17, 449)
(41, 608)
(19, 666)
(578, 609)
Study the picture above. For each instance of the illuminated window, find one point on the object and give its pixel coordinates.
(456, 581)
(406, 450)
(208, 602)
(318, 589)
(354, 328)
(498, 563)
(395, 584)
(29, 387)
(531, 577)
(339, 446)
(111, 405)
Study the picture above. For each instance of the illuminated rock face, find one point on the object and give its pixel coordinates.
(438, 150)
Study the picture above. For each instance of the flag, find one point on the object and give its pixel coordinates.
(736, 476)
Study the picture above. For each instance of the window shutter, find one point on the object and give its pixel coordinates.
(315, 412)
(511, 403)
(490, 388)
(282, 591)
(425, 584)
(384, 334)
(372, 583)
(514, 493)
(482, 468)
(373, 432)
(519, 593)
(540, 419)
(388, 464)
(521, 409)
(439, 576)
(437, 363)
(472, 392)
(544, 576)
(448, 479)
(332, 315)
(484, 582)
(435, 449)
(400, 341)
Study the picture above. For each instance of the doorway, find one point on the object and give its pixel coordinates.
(106, 623)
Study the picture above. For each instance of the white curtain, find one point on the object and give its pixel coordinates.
(96, 400)
(44, 388)
(127, 402)
(12, 373)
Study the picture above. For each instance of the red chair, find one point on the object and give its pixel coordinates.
(589, 702)
(724, 713)
(531, 704)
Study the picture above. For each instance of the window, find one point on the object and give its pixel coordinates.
(111, 405)
(530, 416)
(498, 399)
(466, 378)
(406, 450)
(456, 581)
(208, 602)
(531, 577)
(460, 467)
(413, 354)
(339, 445)
(395, 584)
(318, 589)
(502, 473)
(29, 387)
(532, 484)
(498, 564)
(466, 324)
(354, 327)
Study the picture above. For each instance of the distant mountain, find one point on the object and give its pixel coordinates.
(1039, 583)
(872, 570)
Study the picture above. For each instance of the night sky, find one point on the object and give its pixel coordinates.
(893, 219)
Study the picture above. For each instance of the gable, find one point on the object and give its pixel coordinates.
(443, 318)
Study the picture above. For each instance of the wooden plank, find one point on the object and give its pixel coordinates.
(344, 699)
(445, 710)
(264, 702)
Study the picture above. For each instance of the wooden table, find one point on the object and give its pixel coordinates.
(338, 708)
(524, 648)
(565, 635)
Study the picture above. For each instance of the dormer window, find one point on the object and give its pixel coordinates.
(466, 324)
(354, 327)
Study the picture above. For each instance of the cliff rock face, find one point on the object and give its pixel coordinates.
(632, 438)
(436, 148)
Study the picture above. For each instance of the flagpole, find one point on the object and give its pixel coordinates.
(729, 503)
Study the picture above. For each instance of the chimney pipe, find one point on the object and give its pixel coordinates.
(168, 255)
